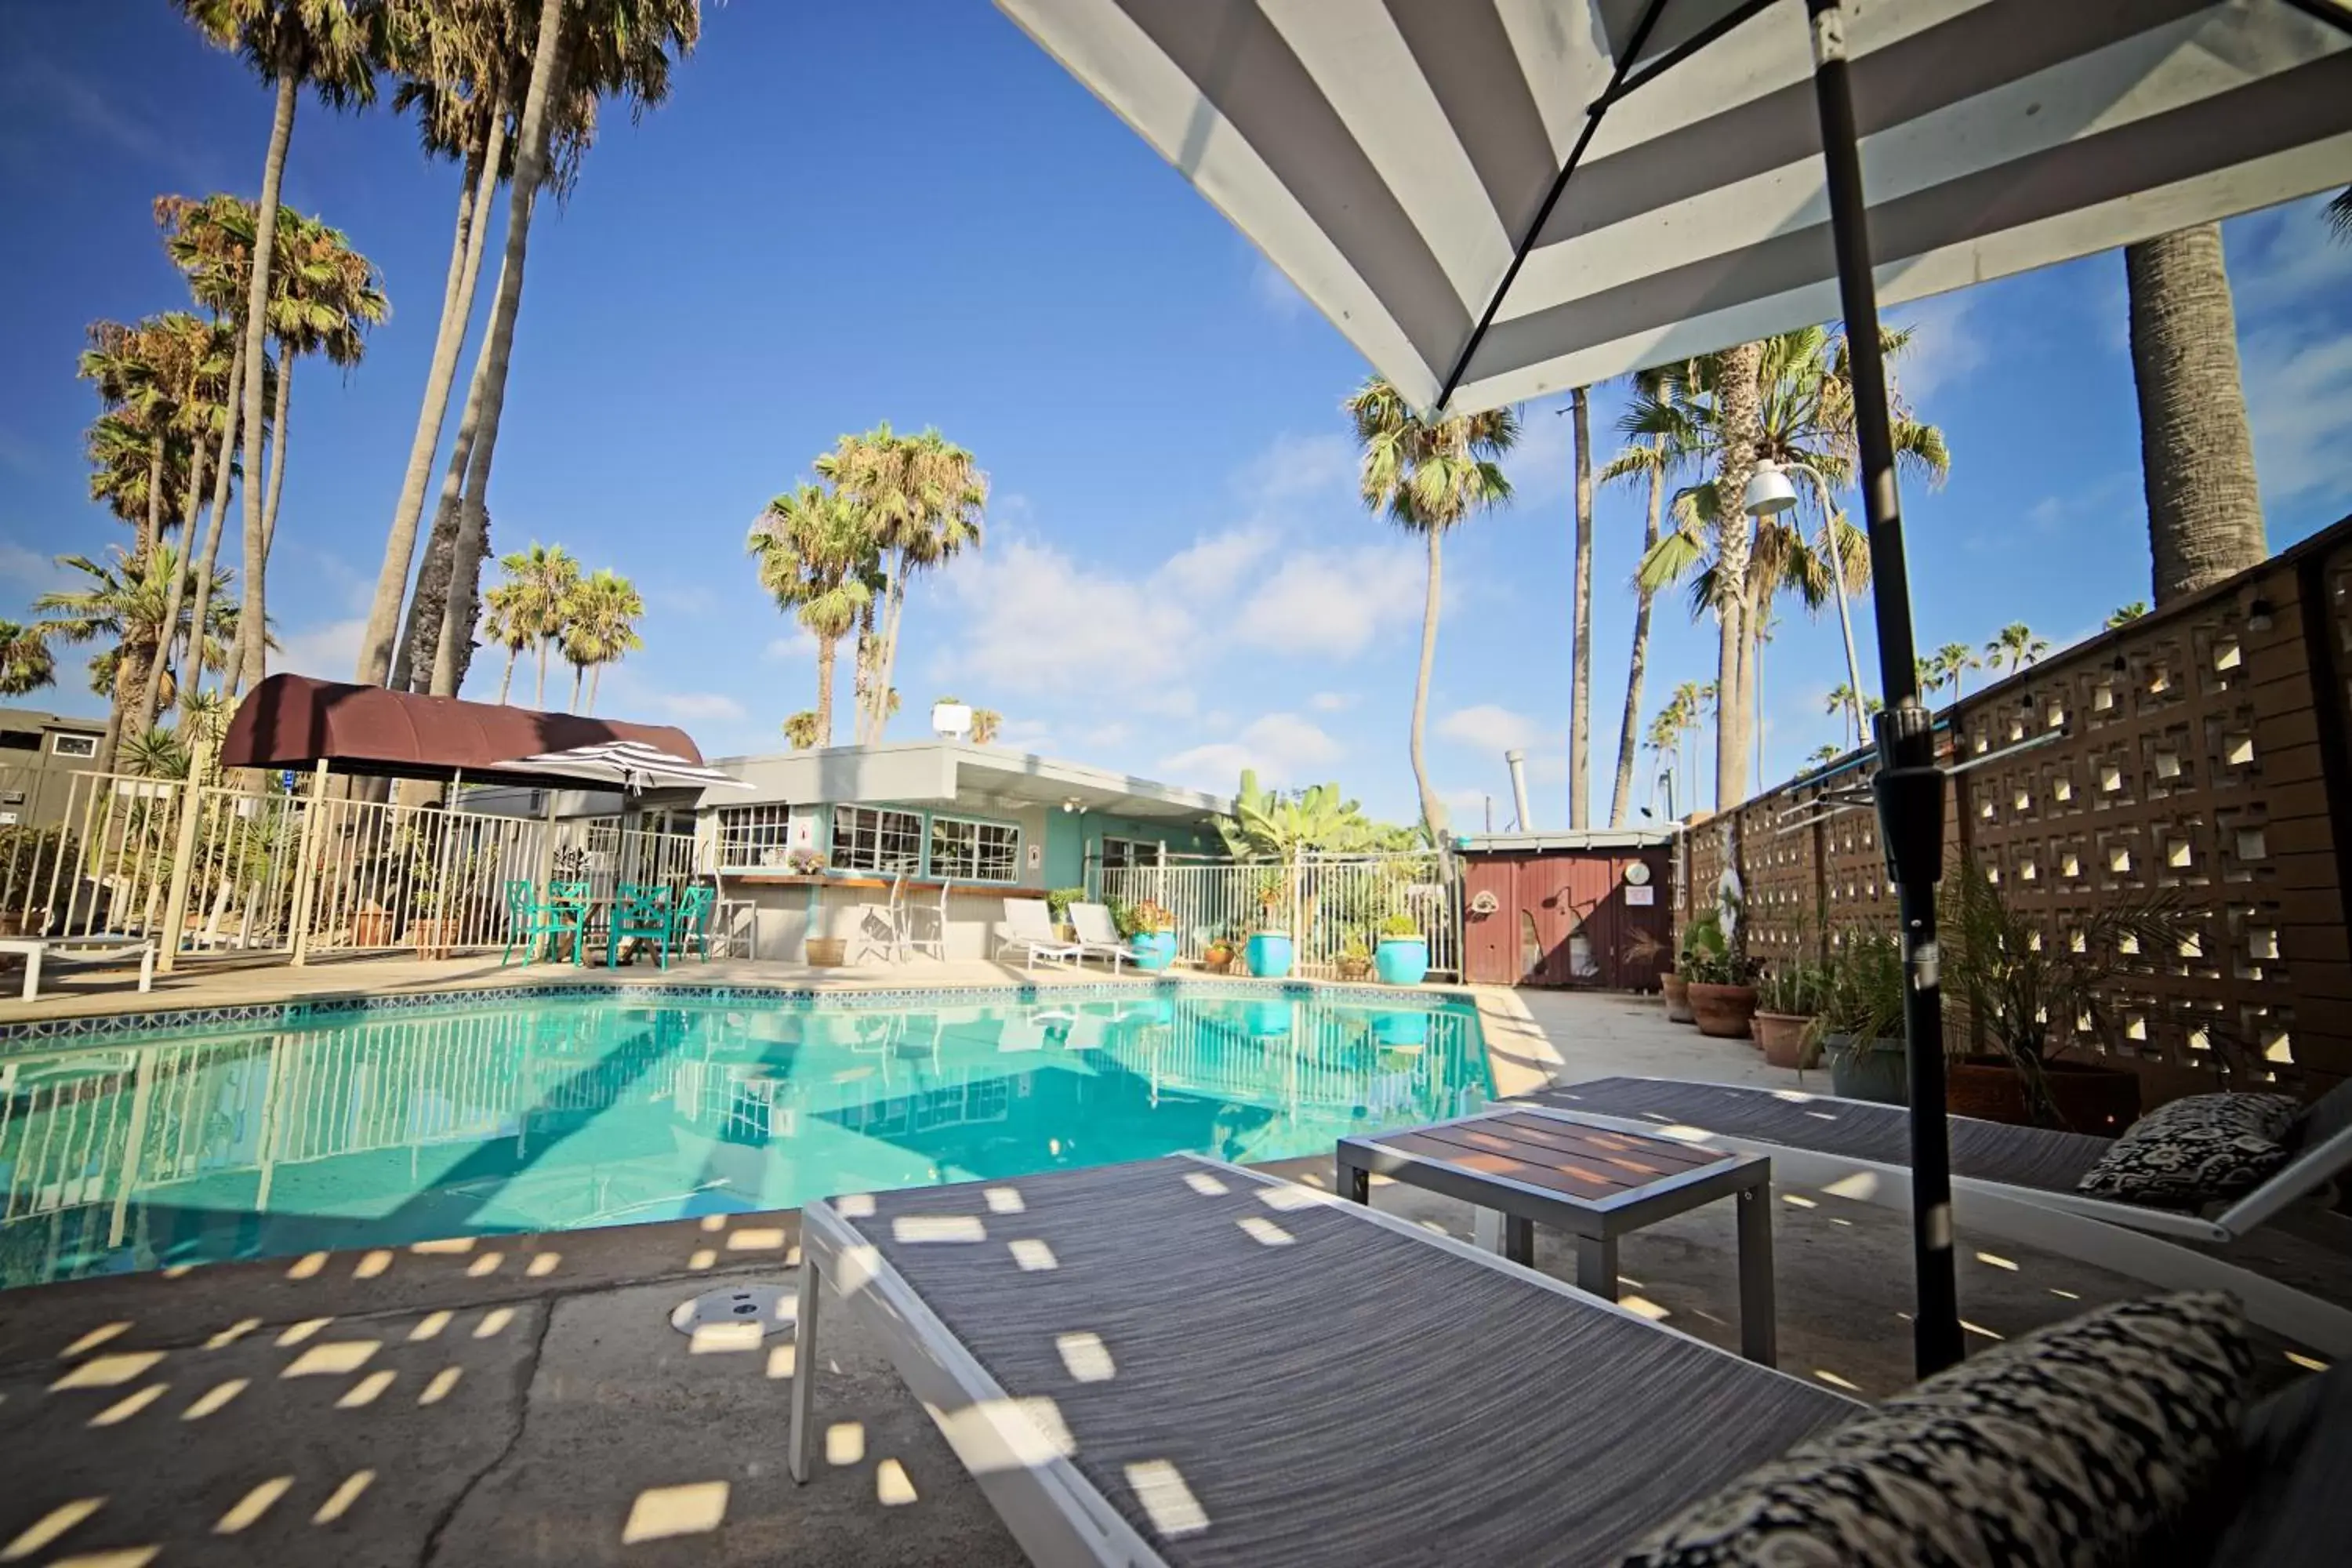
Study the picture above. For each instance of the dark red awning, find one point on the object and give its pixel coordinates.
(292, 722)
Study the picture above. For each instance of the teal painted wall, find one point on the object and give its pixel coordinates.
(1071, 837)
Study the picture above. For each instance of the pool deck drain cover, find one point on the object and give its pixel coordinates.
(751, 1311)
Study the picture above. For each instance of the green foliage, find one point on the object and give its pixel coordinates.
(1795, 990)
(2124, 615)
(1862, 996)
(1399, 925)
(1141, 918)
(801, 729)
(1269, 825)
(1059, 900)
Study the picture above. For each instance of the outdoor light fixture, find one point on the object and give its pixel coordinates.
(1769, 493)
(1073, 804)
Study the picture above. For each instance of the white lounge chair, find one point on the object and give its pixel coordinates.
(1029, 927)
(81, 952)
(1098, 934)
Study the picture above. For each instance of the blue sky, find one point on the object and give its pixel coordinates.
(846, 215)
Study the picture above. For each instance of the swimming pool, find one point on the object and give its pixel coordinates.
(556, 1111)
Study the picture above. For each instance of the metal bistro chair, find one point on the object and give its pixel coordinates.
(692, 922)
(565, 913)
(643, 913)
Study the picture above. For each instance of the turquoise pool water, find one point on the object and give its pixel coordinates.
(557, 1113)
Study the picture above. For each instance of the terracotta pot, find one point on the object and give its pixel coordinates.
(1677, 990)
(431, 938)
(1217, 959)
(11, 923)
(826, 951)
(1723, 1011)
(1354, 968)
(2100, 1100)
(1781, 1037)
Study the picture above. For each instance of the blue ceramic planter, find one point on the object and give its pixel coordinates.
(1153, 949)
(1401, 960)
(1270, 955)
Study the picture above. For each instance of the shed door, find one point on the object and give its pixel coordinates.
(1490, 945)
(1563, 893)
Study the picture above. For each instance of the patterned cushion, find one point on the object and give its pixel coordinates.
(2063, 1447)
(2208, 1148)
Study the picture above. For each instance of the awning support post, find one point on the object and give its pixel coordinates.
(306, 875)
(184, 860)
(1909, 787)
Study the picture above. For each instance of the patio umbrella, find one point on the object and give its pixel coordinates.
(634, 766)
(1494, 199)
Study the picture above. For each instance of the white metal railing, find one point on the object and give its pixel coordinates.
(602, 853)
(1325, 902)
(432, 878)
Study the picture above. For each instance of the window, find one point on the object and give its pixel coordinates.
(20, 739)
(974, 851)
(1118, 854)
(869, 838)
(754, 835)
(74, 745)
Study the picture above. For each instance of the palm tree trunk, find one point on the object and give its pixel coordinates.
(1580, 695)
(2196, 459)
(252, 618)
(887, 660)
(505, 681)
(1620, 799)
(547, 73)
(143, 716)
(1432, 810)
(474, 195)
(278, 417)
(1741, 420)
(151, 526)
(595, 674)
(579, 673)
(538, 686)
(826, 648)
(411, 669)
(192, 665)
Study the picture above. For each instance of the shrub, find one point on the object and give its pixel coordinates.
(1059, 900)
(1399, 925)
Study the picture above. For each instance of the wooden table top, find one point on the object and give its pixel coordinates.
(1560, 1156)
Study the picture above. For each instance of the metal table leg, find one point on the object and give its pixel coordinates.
(803, 1365)
(1520, 1241)
(1596, 1267)
(1354, 1183)
(1759, 1328)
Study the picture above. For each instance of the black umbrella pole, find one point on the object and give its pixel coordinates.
(1909, 786)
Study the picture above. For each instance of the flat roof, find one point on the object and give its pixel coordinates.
(956, 770)
(1567, 838)
(36, 719)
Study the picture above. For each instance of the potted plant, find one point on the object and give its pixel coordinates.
(1057, 908)
(1151, 933)
(1858, 1021)
(429, 932)
(1720, 976)
(826, 951)
(1787, 1001)
(805, 860)
(1355, 961)
(1701, 938)
(1403, 957)
(1218, 957)
(2018, 1000)
(1269, 950)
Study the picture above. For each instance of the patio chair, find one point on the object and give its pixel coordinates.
(690, 923)
(1029, 927)
(644, 913)
(2013, 1182)
(1181, 1361)
(565, 913)
(80, 952)
(1098, 934)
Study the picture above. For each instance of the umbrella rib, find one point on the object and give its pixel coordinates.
(1552, 198)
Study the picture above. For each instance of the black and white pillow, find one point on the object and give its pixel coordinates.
(2065, 1446)
(2208, 1148)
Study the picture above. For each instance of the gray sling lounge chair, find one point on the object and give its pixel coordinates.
(1181, 1361)
(2015, 1181)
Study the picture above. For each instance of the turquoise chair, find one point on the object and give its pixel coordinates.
(692, 920)
(644, 913)
(565, 913)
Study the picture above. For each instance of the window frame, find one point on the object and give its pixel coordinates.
(742, 847)
(931, 840)
(57, 745)
(913, 866)
(1146, 852)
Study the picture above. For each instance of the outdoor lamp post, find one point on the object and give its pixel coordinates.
(1770, 494)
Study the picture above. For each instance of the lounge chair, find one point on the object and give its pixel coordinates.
(1181, 1361)
(80, 952)
(2015, 1181)
(1098, 934)
(1029, 927)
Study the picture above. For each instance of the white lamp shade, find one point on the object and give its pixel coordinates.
(1769, 493)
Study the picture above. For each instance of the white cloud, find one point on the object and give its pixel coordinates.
(1294, 466)
(1332, 702)
(1282, 748)
(2299, 402)
(329, 651)
(1214, 565)
(1277, 292)
(794, 646)
(714, 706)
(1333, 602)
(31, 572)
(1945, 344)
(1037, 621)
(1490, 728)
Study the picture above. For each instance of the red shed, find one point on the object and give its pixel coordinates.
(1592, 909)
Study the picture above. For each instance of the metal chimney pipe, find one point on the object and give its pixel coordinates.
(1518, 763)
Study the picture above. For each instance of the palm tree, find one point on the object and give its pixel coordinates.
(201, 402)
(122, 603)
(600, 629)
(1580, 675)
(26, 662)
(921, 502)
(323, 43)
(2018, 645)
(1654, 457)
(606, 46)
(818, 559)
(2124, 615)
(508, 624)
(1824, 755)
(322, 300)
(2197, 458)
(1428, 477)
(802, 730)
(986, 724)
(1953, 661)
(537, 600)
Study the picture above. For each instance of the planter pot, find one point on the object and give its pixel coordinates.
(1354, 968)
(2088, 1097)
(11, 924)
(1217, 959)
(1401, 960)
(1723, 1011)
(1065, 932)
(1400, 1030)
(1152, 950)
(826, 951)
(1781, 1037)
(1875, 1070)
(433, 938)
(1677, 990)
(372, 928)
(1270, 955)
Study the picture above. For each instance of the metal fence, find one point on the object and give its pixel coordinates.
(603, 853)
(1327, 902)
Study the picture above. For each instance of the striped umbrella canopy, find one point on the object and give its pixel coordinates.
(632, 765)
(1495, 199)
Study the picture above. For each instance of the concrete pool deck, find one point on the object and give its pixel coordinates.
(523, 1399)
